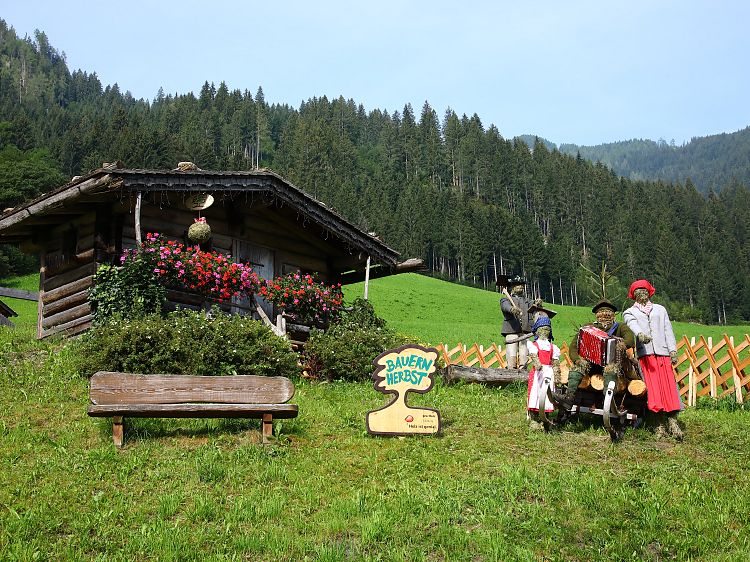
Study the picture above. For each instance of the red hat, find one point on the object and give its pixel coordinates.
(641, 284)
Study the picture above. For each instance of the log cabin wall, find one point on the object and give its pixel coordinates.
(90, 221)
(66, 272)
(234, 229)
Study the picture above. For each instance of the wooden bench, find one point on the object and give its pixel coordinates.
(121, 395)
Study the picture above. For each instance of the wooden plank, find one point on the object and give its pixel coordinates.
(193, 410)
(42, 278)
(67, 290)
(71, 262)
(18, 294)
(276, 223)
(63, 304)
(66, 316)
(69, 276)
(126, 388)
(736, 369)
(69, 328)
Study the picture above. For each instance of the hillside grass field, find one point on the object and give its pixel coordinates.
(440, 312)
(486, 489)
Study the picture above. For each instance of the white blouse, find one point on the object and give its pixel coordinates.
(544, 345)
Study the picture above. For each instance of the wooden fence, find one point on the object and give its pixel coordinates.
(18, 294)
(704, 368)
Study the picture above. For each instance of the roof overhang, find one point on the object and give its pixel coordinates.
(105, 184)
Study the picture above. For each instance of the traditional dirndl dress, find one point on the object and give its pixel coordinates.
(536, 378)
(662, 393)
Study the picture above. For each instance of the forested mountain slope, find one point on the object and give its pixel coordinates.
(445, 187)
(709, 162)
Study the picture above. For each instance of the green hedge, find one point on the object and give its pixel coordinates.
(186, 342)
(347, 349)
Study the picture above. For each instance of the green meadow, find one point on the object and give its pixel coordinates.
(486, 489)
(440, 312)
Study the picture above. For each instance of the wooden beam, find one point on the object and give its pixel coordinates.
(65, 303)
(377, 272)
(18, 294)
(138, 218)
(67, 290)
(70, 328)
(66, 316)
(486, 375)
(69, 276)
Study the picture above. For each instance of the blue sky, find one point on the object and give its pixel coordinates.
(585, 72)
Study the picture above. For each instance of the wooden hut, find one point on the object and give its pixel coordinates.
(257, 217)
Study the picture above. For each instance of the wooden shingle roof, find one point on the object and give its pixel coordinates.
(108, 183)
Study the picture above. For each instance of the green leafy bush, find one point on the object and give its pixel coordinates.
(347, 349)
(130, 289)
(185, 342)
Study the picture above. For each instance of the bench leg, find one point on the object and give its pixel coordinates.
(267, 427)
(117, 431)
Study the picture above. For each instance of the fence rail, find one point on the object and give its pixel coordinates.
(18, 294)
(704, 368)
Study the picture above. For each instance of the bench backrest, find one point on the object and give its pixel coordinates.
(126, 388)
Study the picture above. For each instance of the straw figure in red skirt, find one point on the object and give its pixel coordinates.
(657, 352)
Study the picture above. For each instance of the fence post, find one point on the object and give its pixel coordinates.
(693, 390)
(735, 369)
(712, 373)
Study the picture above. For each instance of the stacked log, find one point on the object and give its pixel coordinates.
(484, 375)
(500, 377)
(597, 383)
(637, 387)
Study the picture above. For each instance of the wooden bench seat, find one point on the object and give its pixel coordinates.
(121, 395)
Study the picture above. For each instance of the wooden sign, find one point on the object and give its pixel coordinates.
(410, 368)
(199, 201)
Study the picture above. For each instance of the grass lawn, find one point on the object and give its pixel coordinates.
(487, 489)
(27, 310)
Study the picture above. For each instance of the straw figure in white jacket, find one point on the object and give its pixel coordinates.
(657, 352)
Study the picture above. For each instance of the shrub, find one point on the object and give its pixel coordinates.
(129, 290)
(185, 342)
(347, 349)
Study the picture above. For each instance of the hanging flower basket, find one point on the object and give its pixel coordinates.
(199, 232)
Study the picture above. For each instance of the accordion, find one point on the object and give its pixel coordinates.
(597, 346)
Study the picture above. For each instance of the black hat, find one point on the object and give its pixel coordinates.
(506, 281)
(602, 304)
(541, 311)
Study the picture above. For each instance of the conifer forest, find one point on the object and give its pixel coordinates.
(432, 184)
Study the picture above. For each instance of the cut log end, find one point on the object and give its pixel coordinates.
(637, 388)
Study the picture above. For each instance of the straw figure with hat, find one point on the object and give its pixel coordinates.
(657, 353)
(545, 358)
(604, 311)
(517, 319)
